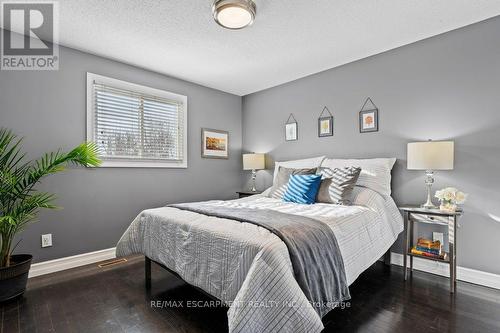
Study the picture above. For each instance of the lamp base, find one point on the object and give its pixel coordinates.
(427, 206)
(254, 175)
(429, 180)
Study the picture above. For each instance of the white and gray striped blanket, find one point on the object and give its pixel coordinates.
(248, 267)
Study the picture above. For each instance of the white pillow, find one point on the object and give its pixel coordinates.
(314, 162)
(375, 172)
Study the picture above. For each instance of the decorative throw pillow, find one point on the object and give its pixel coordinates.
(375, 172)
(306, 163)
(282, 177)
(337, 184)
(302, 189)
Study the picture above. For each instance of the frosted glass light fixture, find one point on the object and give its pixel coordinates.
(234, 14)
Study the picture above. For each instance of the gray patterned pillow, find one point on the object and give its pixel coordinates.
(337, 185)
(281, 182)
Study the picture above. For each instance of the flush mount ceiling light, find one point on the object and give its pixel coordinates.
(234, 14)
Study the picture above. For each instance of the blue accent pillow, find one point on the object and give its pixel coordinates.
(302, 189)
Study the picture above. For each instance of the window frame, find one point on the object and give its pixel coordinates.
(136, 162)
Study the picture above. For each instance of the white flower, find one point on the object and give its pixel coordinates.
(451, 195)
(460, 197)
(448, 195)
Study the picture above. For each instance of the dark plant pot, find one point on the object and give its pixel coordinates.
(13, 279)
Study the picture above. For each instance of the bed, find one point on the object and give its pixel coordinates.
(247, 267)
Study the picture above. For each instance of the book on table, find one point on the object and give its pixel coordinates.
(428, 248)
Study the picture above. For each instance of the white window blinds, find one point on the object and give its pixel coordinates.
(130, 125)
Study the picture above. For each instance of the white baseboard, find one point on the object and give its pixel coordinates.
(463, 274)
(61, 264)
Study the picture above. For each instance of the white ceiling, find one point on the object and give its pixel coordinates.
(288, 40)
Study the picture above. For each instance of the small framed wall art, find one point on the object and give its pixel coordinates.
(214, 143)
(291, 129)
(325, 123)
(368, 117)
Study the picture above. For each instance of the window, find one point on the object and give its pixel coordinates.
(136, 126)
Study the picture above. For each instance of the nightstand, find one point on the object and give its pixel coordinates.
(244, 194)
(414, 215)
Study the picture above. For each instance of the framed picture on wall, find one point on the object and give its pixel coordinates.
(325, 123)
(291, 128)
(214, 143)
(325, 126)
(368, 121)
(291, 132)
(368, 117)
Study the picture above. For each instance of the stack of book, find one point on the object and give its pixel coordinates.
(428, 248)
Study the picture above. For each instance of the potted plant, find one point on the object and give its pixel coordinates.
(20, 202)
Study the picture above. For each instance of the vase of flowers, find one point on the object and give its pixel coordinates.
(450, 198)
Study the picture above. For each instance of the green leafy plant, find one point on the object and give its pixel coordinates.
(19, 200)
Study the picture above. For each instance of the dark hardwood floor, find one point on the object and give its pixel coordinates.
(113, 299)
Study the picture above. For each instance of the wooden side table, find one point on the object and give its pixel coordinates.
(437, 217)
(244, 194)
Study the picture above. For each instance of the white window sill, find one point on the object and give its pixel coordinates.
(143, 164)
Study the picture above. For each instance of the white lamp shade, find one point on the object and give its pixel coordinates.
(254, 161)
(430, 155)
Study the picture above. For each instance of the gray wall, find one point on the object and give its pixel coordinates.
(48, 109)
(446, 87)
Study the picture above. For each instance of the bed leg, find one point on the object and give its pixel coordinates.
(387, 257)
(147, 272)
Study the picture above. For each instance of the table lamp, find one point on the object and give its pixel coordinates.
(254, 162)
(430, 156)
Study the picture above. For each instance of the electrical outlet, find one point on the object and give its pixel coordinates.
(47, 240)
